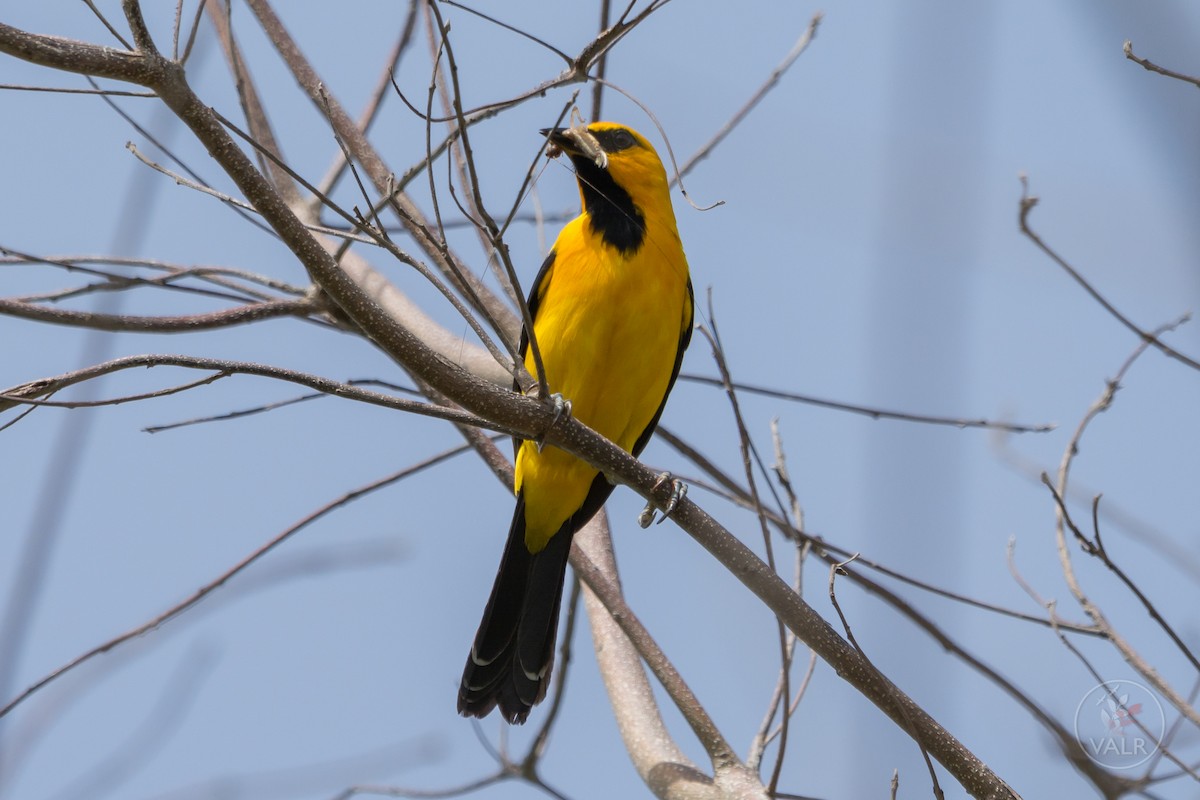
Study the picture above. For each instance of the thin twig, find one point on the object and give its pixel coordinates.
(225, 318)
(225, 577)
(116, 401)
(495, 236)
(840, 569)
(1027, 203)
(874, 413)
(797, 49)
(13, 87)
(264, 407)
(44, 386)
(229, 200)
(1152, 67)
(249, 100)
(576, 72)
(829, 551)
(601, 64)
(1136, 719)
(706, 730)
(169, 153)
(785, 651)
(387, 244)
(420, 794)
(338, 168)
(382, 178)
(104, 21)
(193, 32)
(1174, 554)
(514, 29)
(73, 263)
(170, 709)
(1063, 522)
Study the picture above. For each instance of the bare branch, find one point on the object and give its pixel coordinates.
(513, 29)
(420, 794)
(12, 87)
(183, 323)
(1174, 554)
(114, 401)
(138, 27)
(248, 97)
(221, 580)
(104, 21)
(220, 276)
(381, 177)
(265, 407)
(601, 64)
(840, 569)
(579, 67)
(874, 413)
(663, 767)
(1027, 203)
(174, 703)
(233, 201)
(70, 55)
(1150, 66)
(830, 551)
(197, 180)
(1063, 522)
(745, 447)
(18, 395)
(338, 168)
(797, 49)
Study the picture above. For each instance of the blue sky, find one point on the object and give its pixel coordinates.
(867, 251)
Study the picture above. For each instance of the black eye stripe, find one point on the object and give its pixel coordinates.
(615, 140)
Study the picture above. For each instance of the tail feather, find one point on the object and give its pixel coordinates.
(510, 661)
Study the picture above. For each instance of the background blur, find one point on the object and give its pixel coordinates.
(867, 251)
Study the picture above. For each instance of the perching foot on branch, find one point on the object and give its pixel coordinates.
(562, 408)
(678, 492)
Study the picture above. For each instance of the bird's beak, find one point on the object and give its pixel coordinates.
(577, 142)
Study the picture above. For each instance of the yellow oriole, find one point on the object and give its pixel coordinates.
(612, 315)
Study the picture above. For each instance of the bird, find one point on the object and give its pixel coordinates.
(612, 310)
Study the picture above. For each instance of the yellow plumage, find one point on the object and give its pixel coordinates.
(612, 315)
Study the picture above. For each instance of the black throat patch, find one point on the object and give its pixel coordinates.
(613, 215)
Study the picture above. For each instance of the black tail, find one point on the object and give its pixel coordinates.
(510, 662)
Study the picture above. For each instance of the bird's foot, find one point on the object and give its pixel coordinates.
(562, 408)
(678, 492)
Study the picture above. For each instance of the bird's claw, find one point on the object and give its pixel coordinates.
(678, 492)
(562, 408)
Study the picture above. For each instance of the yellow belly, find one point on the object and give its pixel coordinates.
(609, 330)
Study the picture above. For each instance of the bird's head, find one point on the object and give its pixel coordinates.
(625, 155)
(621, 180)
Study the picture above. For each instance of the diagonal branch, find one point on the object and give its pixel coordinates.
(1150, 66)
(252, 106)
(618, 640)
(377, 170)
(206, 590)
(1027, 203)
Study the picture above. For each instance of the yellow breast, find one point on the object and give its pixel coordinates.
(608, 328)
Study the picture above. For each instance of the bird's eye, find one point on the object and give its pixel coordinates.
(622, 140)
